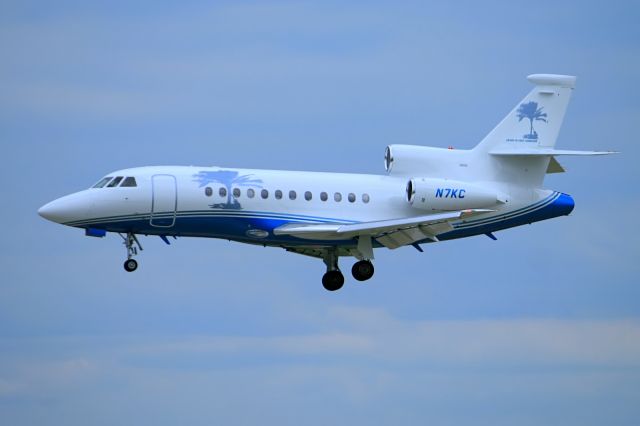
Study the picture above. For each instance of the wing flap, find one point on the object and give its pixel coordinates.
(378, 227)
(392, 233)
(403, 237)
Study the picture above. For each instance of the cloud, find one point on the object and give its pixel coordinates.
(364, 363)
(43, 377)
(372, 336)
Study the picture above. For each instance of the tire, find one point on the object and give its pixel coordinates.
(130, 265)
(333, 280)
(362, 270)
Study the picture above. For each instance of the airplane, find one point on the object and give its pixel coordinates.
(427, 195)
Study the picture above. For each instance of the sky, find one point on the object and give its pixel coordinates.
(541, 326)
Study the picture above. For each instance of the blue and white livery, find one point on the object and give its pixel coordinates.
(427, 195)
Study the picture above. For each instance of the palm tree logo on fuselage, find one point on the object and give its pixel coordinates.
(531, 111)
(230, 179)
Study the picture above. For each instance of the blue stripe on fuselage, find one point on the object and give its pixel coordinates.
(235, 225)
(231, 228)
(561, 205)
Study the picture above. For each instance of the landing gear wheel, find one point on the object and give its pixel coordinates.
(362, 270)
(130, 265)
(333, 280)
(130, 242)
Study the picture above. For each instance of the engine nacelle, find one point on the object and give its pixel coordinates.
(412, 160)
(447, 195)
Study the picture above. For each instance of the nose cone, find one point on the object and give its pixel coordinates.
(67, 209)
(54, 211)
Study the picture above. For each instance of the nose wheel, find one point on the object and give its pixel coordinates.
(132, 244)
(130, 265)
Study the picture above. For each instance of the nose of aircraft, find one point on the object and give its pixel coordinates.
(67, 209)
(53, 211)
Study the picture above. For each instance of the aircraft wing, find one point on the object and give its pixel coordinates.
(392, 233)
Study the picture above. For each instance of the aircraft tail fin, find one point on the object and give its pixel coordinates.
(535, 121)
(518, 152)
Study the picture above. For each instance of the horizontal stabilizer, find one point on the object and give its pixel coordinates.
(540, 152)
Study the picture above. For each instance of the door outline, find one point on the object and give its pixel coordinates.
(161, 219)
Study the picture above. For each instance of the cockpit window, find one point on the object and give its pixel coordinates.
(103, 182)
(115, 182)
(129, 181)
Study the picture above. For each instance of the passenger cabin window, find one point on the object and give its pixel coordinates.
(324, 196)
(308, 195)
(115, 182)
(207, 191)
(337, 197)
(365, 198)
(352, 197)
(236, 192)
(251, 193)
(264, 194)
(102, 182)
(222, 191)
(278, 194)
(129, 181)
(292, 195)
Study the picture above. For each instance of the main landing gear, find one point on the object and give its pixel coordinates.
(333, 279)
(130, 242)
(362, 270)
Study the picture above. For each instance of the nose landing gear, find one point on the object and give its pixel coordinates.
(130, 265)
(132, 244)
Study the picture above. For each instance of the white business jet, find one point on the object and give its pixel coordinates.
(427, 195)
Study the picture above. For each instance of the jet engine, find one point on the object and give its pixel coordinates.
(446, 195)
(410, 160)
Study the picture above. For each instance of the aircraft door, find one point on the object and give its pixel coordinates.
(164, 201)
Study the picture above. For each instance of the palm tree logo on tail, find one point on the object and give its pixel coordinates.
(229, 178)
(531, 111)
